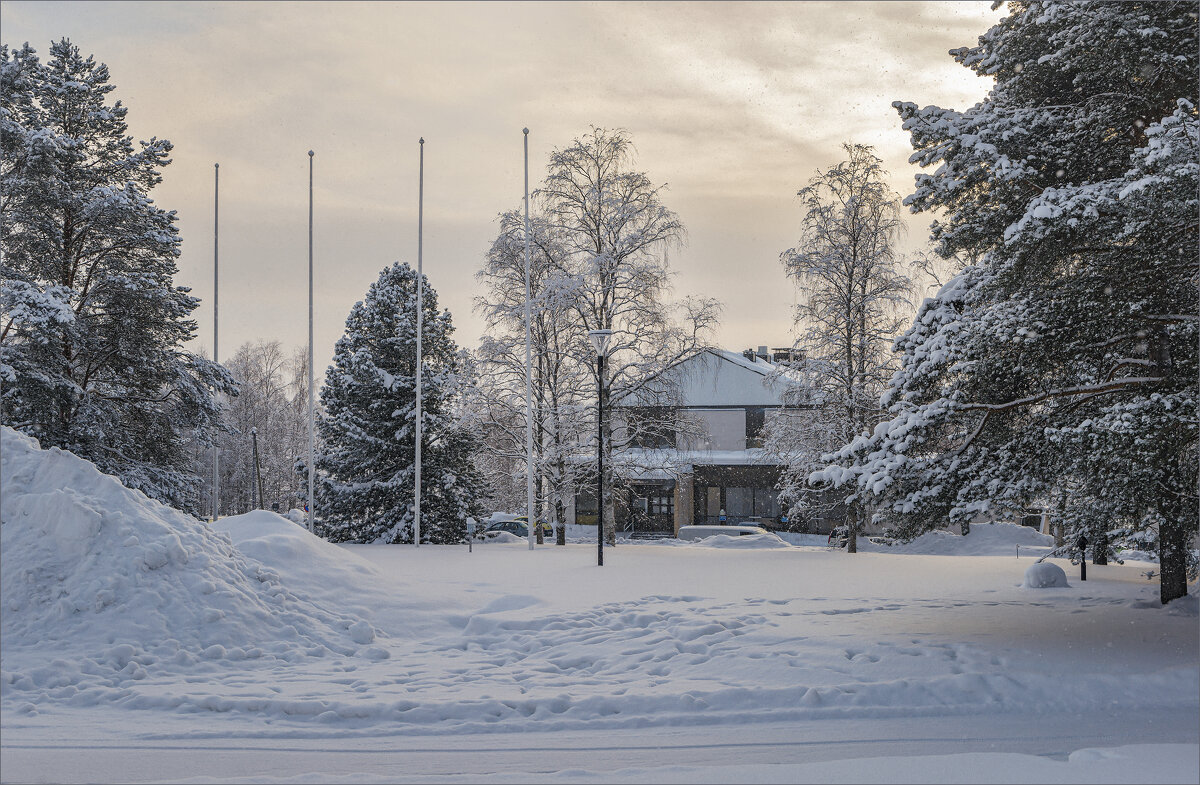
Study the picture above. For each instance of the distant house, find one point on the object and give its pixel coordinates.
(703, 461)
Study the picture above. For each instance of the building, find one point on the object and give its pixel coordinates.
(700, 459)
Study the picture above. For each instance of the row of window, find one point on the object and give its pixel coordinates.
(652, 429)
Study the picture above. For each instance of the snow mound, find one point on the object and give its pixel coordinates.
(1044, 575)
(306, 564)
(508, 537)
(745, 541)
(96, 570)
(985, 539)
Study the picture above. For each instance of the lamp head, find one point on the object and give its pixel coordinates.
(601, 341)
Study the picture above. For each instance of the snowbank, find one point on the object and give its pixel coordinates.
(743, 542)
(985, 539)
(110, 580)
(306, 564)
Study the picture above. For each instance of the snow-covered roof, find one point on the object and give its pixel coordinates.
(663, 464)
(715, 377)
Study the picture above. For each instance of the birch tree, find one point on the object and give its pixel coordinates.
(853, 294)
(612, 230)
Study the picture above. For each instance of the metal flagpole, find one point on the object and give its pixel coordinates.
(216, 477)
(420, 275)
(312, 437)
(530, 517)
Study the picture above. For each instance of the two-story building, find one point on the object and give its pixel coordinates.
(706, 463)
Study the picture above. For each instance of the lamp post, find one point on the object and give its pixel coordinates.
(216, 481)
(530, 511)
(601, 339)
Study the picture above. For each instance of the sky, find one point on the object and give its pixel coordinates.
(732, 106)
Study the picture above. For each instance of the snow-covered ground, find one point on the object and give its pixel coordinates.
(142, 645)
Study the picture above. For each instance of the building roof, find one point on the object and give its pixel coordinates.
(663, 464)
(715, 377)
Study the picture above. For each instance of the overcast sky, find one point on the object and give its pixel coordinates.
(733, 105)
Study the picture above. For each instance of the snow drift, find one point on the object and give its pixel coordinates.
(94, 570)
(984, 539)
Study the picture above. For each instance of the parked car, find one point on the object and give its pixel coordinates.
(517, 526)
(547, 529)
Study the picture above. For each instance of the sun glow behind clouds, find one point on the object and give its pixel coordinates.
(734, 105)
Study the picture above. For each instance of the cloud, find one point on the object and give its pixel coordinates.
(735, 105)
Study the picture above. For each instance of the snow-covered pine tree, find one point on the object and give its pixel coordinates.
(365, 461)
(91, 344)
(1065, 356)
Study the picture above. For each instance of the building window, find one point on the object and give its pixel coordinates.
(662, 505)
(755, 419)
(651, 427)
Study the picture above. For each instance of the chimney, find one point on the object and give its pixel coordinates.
(762, 352)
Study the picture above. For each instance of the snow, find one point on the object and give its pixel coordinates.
(1043, 575)
(143, 645)
(985, 539)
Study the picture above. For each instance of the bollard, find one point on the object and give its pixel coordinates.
(1082, 560)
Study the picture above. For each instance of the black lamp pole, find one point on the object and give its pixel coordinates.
(600, 461)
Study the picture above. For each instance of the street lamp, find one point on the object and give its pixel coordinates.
(601, 339)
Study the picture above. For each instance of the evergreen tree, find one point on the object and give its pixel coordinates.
(365, 462)
(1060, 366)
(91, 353)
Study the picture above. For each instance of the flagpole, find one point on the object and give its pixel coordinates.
(312, 438)
(420, 282)
(216, 476)
(530, 517)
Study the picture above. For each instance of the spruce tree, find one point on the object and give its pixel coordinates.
(365, 463)
(1059, 367)
(91, 344)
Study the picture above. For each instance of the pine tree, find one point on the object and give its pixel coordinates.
(91, 343)
(1060, 366)
(365, 462)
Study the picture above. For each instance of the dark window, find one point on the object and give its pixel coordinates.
(662, 505)
(651, 427)
(755, 419)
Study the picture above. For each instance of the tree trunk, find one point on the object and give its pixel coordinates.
(609, 520)
(1174, 535)
(852, 527)
(1100, 548)
(560, 527)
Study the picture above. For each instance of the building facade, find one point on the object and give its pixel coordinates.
(700, 460)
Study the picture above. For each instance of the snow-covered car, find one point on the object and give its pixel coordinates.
(699, 532)
(517, 526)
